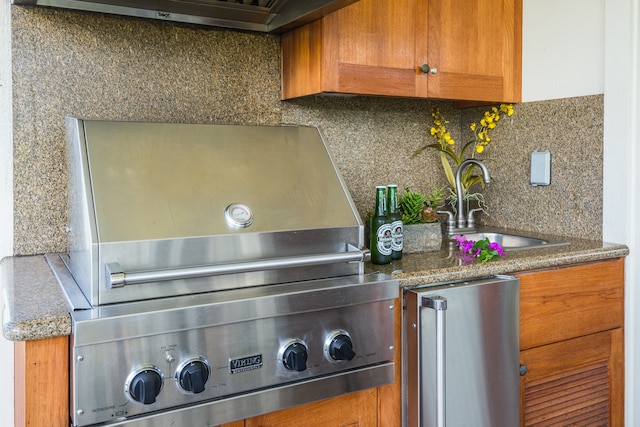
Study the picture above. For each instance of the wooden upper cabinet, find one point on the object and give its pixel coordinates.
(476, 47)
(379, 47)
(366, 48)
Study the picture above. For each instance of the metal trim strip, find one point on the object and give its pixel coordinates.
(71, 290)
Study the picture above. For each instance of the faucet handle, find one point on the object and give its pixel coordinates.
(451, 221)
(450, 217)
(471, 222)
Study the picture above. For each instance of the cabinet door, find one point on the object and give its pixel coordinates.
(574, 382)
(374, 48)
(366, 48)
(41, 370)
(476, 48)
(565, 303)
(351, 410)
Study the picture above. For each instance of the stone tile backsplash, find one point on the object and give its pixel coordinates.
(118, 68)
(572, 130)
(374, 139)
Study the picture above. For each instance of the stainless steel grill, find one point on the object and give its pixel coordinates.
(215, 273)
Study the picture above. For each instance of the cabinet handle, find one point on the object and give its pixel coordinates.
(523, 370)
(426, 69)
(439, 304)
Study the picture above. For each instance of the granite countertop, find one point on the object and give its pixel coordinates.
(35, 307)
(442, 266)
(33, 304)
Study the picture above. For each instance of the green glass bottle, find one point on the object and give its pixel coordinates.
(395, 218)
(380, 238)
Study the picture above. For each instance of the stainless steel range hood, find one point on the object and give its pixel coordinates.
(271, 16)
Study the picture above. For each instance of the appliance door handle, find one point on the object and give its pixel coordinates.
(116, 277)
(439, 304)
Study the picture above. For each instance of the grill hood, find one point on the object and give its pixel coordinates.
(192, 208)
(271, 16)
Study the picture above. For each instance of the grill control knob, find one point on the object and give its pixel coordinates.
(145, 385)
(192, 375)
(341, 348)
(295, 356)
(338, 346)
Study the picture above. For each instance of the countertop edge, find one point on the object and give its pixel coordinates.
(33, 304)
(509, 266)
(28, 330)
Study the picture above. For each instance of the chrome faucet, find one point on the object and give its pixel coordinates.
(464, 222)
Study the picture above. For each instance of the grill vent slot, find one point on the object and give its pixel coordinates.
(261, 3)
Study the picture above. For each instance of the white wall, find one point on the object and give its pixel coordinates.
(621, 177)
(587, 47)
(562, 49)
(6, 200)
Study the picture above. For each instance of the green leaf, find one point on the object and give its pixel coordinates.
(411, 204)
(447, 169)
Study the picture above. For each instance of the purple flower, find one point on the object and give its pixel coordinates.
(482, 250)
(495, 246)
(464, 244)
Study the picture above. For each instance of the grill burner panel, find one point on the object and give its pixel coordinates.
(238, 339)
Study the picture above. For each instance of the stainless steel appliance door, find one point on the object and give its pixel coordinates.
(461, 362)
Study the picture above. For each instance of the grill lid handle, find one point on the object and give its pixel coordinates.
(116, 277)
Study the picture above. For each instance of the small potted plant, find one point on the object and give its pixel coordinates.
(422, 231)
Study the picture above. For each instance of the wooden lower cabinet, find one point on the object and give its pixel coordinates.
(41, 369)
(572, 346)
(578, 382)
(351, 410)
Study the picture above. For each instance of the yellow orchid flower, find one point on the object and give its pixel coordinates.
(451, 155)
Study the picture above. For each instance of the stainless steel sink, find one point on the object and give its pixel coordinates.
(512, 242)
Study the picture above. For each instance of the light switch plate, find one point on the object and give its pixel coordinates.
(540, 168)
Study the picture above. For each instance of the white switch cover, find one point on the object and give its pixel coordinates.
(540, 168)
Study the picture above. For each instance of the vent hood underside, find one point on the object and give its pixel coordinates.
(270, 16)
